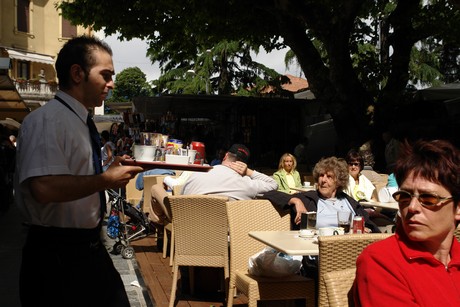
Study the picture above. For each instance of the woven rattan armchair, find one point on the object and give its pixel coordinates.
(249, 215)
(339, 253)
(457, 233)
(169, 227)
(133, 195)
(201, 234)
(338, 286)
(149, 181)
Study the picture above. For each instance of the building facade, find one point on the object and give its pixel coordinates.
(31, 34)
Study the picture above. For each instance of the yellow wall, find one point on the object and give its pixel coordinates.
(44, 36)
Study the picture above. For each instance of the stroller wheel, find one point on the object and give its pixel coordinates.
(127, 252)
(118, 248)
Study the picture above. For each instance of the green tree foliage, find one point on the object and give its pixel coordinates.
(355, 54)
(129, 83)
(224, 68)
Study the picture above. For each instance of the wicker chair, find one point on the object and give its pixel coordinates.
(177, 190)
(338, 286)
(339, 253)
(249, 215)
(169, 227)
(149, 181)
(201, 234)
(133, 195)
(457, 233)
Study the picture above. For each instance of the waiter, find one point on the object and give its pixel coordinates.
(60, 188)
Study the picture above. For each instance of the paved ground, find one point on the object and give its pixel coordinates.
(12, 235)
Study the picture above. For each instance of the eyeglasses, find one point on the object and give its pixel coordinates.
(426, 199)
(353, 163)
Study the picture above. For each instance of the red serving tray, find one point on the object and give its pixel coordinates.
(163, 165)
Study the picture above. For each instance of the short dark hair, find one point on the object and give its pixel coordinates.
(354, 155)
(105, 135)
(78, 51)
(437, 161)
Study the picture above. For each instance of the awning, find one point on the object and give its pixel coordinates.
(10, 123)
(29, 56)
(11, 103)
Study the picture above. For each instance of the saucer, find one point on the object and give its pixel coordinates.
(309, 235)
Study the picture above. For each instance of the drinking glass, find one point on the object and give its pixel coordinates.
(308, 220)
(344, 220)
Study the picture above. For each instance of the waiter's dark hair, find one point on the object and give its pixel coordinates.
(78, 51)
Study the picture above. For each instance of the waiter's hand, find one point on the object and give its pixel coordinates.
(119, 175)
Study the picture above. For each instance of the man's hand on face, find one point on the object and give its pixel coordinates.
(239, 167)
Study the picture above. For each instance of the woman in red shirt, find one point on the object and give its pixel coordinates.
(420, 264)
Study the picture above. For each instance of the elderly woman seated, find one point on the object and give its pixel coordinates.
(331, 176)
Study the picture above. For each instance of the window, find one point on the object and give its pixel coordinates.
(23, 16)
(23, 70)
(68, 30)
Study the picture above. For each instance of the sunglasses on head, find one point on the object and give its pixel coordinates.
(426, 199)
(353, 163)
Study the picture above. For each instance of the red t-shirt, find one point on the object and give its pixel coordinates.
(393, 272)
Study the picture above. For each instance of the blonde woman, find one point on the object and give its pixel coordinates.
(287, 176)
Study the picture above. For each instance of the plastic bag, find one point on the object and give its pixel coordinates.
(271, 263)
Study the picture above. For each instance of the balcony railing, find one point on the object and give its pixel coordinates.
(36, 89)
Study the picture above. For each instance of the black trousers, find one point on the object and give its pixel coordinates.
(68, 267)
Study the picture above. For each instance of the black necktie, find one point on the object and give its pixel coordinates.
(96, 145)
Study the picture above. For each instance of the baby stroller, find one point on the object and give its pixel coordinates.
(138, 226)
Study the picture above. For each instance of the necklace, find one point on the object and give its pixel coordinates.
(333, 200)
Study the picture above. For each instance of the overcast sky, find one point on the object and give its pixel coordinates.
(133, 53)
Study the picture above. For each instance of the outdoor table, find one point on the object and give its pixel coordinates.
(288, 242)
(391, 205)
(163, 165)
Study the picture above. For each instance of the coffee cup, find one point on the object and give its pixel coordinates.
(328, 231)
(306, 183)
